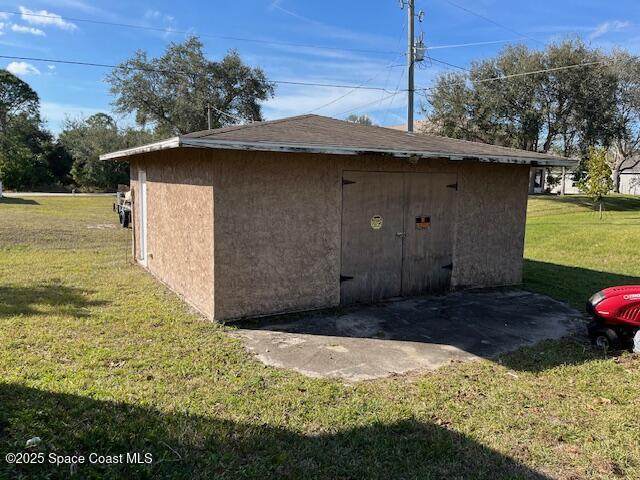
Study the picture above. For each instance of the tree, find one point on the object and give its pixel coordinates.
(597, 182)
(17, 100)
(361, 119)
(86, 139)
(625, 151)
(173, 92)
(553, 109)
(23, 142)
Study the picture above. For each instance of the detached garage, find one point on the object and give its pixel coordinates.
(311, 212)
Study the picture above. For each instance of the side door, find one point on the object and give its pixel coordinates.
(372, 235)
(429, 218)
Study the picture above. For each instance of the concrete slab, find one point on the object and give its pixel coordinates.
(374, 341)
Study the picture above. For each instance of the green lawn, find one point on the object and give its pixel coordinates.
(96, 357)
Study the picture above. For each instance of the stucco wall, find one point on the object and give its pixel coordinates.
(492, 209)
(277, 225)
(277, 233)
(180, 223)
(278, 222)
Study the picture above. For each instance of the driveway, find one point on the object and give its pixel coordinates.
(374, 341)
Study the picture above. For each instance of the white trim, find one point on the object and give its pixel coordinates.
(177, 142)
(151, 147)
(339, 150)
(144, 238)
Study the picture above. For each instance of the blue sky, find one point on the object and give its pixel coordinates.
(376, 27)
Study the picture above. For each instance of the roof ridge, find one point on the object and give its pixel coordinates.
(232, 128)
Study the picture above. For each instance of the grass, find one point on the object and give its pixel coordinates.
(95, 356)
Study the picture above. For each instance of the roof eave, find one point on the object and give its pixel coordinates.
(335, 150)
(181, 141)
(173, 142)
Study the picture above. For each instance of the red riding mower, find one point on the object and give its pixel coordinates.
(616, 317)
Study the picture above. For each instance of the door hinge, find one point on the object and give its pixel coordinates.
(448, 267)
(347, 182)
(345, 278)
(453, 185)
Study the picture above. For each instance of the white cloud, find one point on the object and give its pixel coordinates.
(4, 16)
(22, 68)
(51, 67)
(609, 27)
(29, 30)
(43, 17)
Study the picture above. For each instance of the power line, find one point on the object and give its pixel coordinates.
(187, 32)
(370, 103)
(234, 38)
(448, 64)
(309, 84)
(182, 72)
(522, 74)
(493, 21)
(337, 99)
(472, 44)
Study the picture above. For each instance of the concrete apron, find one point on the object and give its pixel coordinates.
(373, 341)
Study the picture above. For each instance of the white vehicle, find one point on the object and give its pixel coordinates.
(122, 206)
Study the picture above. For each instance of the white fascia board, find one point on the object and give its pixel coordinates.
(151, 147)
(177, 142)
(338, 150)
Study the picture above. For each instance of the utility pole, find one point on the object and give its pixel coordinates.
(209, 122)
(410, 64)
(415, 53)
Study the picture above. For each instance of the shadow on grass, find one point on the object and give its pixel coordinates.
(45, 300)
(614, 203)
(573, 285)
(18, 201)
(194, 447)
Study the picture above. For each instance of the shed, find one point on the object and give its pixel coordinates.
(311, 212)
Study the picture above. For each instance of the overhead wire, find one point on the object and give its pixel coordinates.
(50, 16)
(182, 72)
(520, 34)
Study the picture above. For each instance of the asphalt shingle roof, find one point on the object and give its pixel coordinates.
(315, 133)
(324, 131)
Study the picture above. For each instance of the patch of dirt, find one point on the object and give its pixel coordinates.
(102, 226)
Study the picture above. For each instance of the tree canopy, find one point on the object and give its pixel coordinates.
(361, 119)
(17, 101)
(173, 92)
(558, 108)
(87, 138)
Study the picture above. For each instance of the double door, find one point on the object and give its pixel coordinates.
(397, 234)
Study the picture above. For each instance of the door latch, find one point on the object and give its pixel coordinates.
(401, 234)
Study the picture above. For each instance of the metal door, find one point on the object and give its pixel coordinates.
(372, 229)
(429, 218)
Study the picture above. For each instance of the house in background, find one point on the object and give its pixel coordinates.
(311, 212)
(539, 181)
(630, 181)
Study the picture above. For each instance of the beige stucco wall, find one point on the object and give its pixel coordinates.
(277, 233)
(277, 225)
(278, 222)
(492, 209)
(179, 223)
